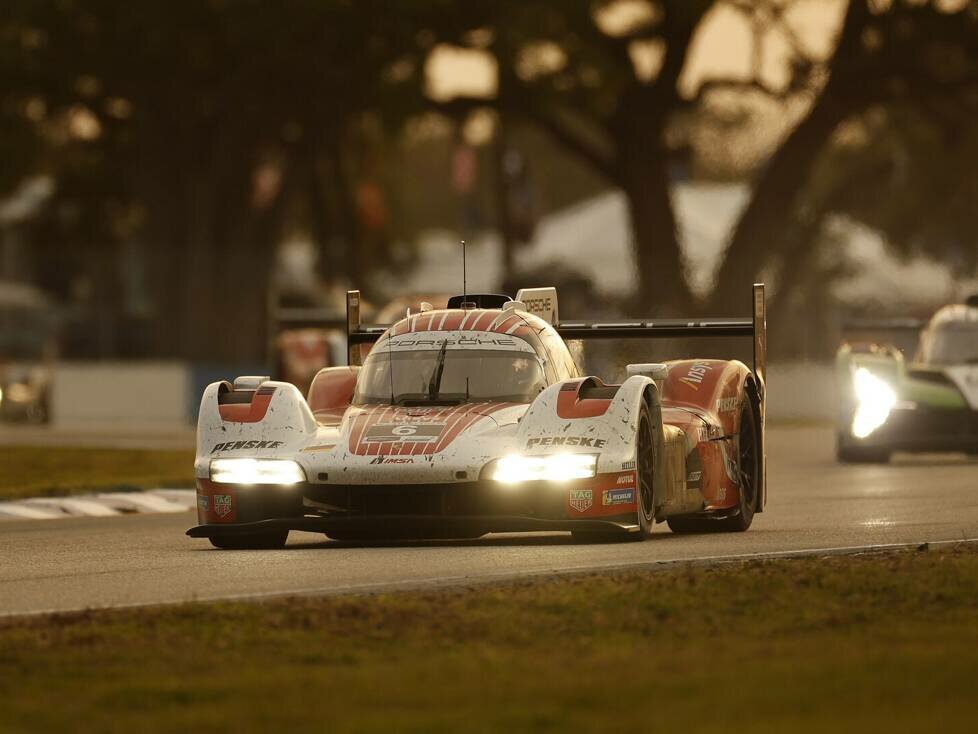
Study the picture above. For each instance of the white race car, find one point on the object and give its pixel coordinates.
(475, 419)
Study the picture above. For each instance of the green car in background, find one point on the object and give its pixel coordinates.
(929, 404)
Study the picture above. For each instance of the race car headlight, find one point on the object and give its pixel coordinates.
(554, 468)
(256, 471)
(874, 401)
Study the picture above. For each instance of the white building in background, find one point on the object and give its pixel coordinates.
(594, 237)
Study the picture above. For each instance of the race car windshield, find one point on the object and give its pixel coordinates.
(449, 376)
(950, 345)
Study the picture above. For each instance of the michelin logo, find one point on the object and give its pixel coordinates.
(618, 497)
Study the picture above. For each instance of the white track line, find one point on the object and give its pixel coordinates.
(15, 510)
(105, 504)
(76, 506)
(491, 578)
(139, 502)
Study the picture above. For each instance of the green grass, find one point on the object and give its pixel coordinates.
(862, 644)
(33, 471)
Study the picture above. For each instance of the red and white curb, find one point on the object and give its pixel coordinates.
(104, 504)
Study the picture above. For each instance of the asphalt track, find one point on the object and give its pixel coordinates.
(60, 565)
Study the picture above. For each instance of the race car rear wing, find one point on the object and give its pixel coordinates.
(754, 326)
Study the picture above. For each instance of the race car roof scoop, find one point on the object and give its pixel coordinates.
(479, 300)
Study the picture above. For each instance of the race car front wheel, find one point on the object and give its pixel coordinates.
(256, 541)
(644, 496)
(644, 468)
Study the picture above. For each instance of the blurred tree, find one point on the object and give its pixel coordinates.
(890, 56)
(604, 79)
(201, 121)
(559, 69)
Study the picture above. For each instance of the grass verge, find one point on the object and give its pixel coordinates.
(862, 644)
(34, 471)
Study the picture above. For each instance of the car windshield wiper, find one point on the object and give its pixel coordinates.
(434, 384)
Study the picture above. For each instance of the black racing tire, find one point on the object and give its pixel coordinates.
(645, 495)
(645, 473)
(749, 465)
(846, 453)
(257, 541)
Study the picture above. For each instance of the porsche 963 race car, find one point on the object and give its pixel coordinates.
(928, 404)
(475, 419)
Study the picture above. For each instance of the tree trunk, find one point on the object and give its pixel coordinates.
(773, 208)
(760, 235)
(662, 284)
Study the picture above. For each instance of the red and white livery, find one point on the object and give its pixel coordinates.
(475, 419)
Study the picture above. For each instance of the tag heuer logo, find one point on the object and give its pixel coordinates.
(581, 499)
(222, 504)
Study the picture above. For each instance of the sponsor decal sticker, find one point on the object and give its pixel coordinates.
(392, 460)
(389, 433)
(694, 476)
(626, 465)
(725, 405)
(617, 497)
(695, 376)
(585, 441)
(222, 505)
(203, 502)
(581, 499)
(626, 479)
(251, 445)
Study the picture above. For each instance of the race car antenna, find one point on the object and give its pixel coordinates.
(465, 291)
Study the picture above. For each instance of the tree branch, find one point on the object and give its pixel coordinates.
(571, 139)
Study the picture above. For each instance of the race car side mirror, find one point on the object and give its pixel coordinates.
(250, 382)
(653, 370)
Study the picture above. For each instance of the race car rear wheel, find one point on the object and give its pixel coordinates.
(257, 541)
(749, 468)
(846, 453)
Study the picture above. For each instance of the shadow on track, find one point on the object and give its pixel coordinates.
(492, 540)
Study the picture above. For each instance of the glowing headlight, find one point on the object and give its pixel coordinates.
(875, 400)
(554, 468)
(256, 471)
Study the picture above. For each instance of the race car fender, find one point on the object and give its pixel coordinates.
(606, 426)
(272, 420)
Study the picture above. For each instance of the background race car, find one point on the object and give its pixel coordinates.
(927, 404)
